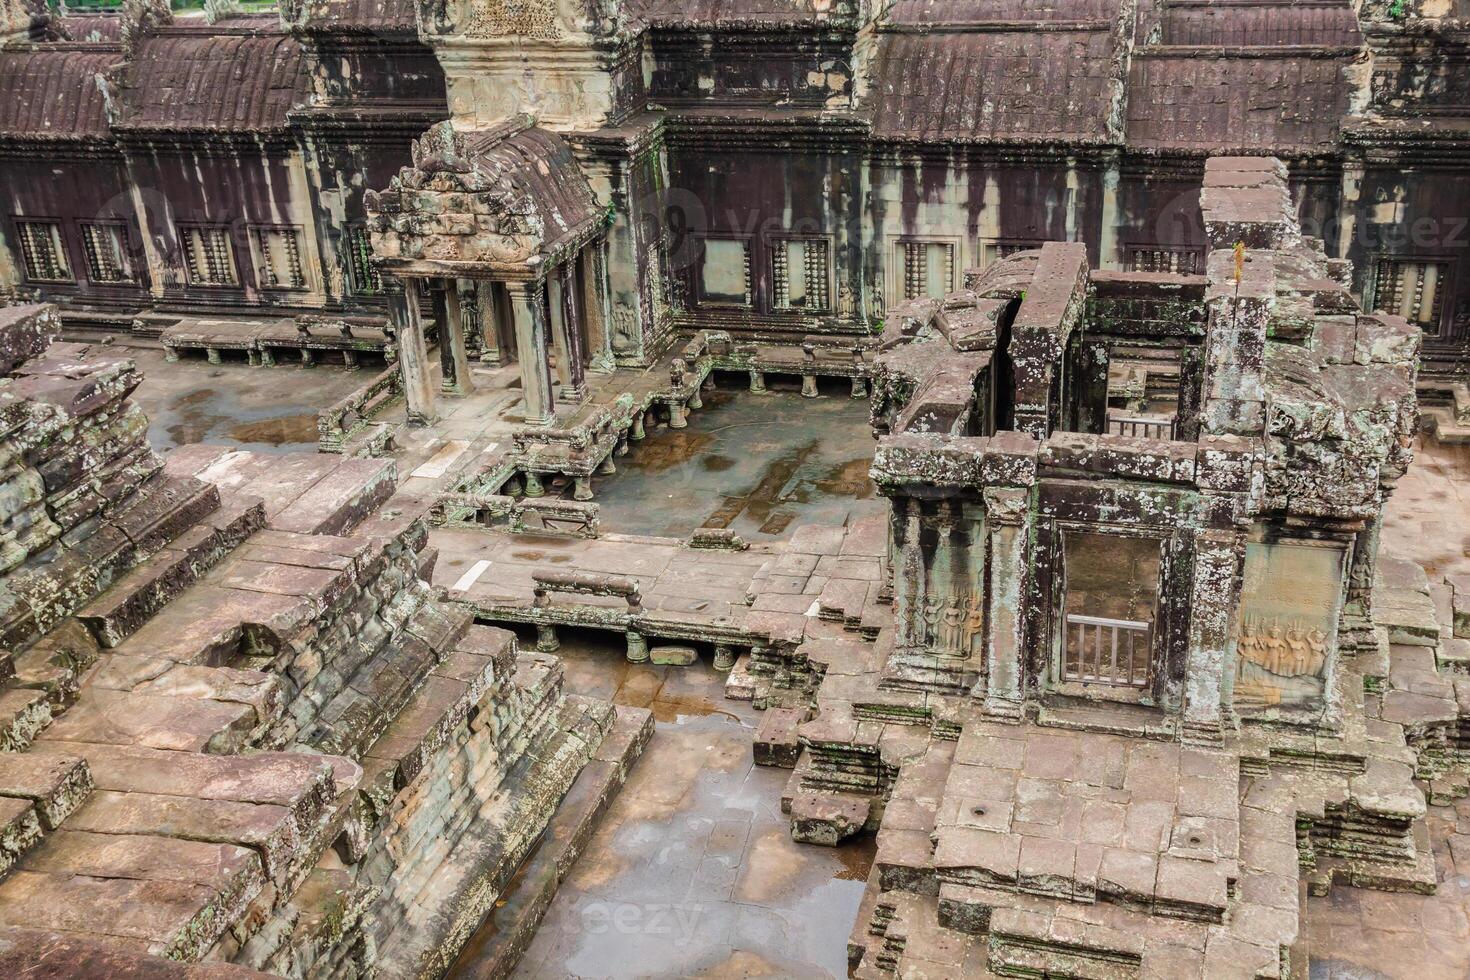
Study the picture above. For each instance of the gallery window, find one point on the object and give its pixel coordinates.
(278, 257)
(1412, 288)
(209, 256)
(1181, 260)
(1112, 591)
(42, 252)
(106, 250)
(928, 269)
(724, 277)
(360, 269)
(801, 274)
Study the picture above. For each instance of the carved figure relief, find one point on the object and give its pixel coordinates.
(513, 18)
(951, 626)
(1288, 621)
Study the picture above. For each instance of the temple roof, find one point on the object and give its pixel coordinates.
(53, 93)
(1209, 22)
(81, 26)
(520, 202)
(354, 16)
(916, 12)
(188, 79)
(1002, 85)
(738, 13)
(1217, 100)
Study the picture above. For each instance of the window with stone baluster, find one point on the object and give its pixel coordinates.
(42, 251)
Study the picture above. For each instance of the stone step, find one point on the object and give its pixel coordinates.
(776, 743)
(24, 714)
(827, 818)
(160, 511)
(359, 714)
(132, 601)
(190, 724)
(20, 830)
(173, 897)
(62, 954)
(55, 784)
(512, 922)
(285, 806)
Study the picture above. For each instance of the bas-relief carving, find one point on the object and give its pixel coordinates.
(1288, 619)
(535, 19)
(953, 627)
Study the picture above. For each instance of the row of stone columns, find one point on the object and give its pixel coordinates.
(559, 313)
(637, 652)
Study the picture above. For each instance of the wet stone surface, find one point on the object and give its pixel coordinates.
(759, 465)
(262, 409)
(693, 871)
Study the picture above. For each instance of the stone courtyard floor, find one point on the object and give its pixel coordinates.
(693, 871)
(262, 409)
(760, 465)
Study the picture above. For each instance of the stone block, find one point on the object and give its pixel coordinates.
(673, 656)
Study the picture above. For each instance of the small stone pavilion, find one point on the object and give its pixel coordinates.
(1119, 726)
(1202, 559)
(507, 212)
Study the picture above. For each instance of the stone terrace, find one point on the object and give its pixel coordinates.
(254, 733)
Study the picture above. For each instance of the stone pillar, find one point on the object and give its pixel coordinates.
(593, 280)
(905, 524)
(1007, 523)
(546, 641)
(1213, 602)
(454, 359)
(413, 355)
(757, 382)
(561, 298)
(724, 657)
(529, 309)
(571, 320)
(637, 647)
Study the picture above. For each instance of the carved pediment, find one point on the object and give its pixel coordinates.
(441, 150)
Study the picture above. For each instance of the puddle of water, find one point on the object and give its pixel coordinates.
(756, 464)
(278, 431)
(693, 871)
(261, 409)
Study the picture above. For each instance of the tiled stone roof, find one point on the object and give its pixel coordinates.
(190, 80)
(1206, 99)
(53, 93)
(1261, 24)
(992, 85)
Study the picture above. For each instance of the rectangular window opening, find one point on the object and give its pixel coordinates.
(278, 258)
(928, 269)
(724, 278)
(209, 256)
(801, 274)
(360, 269)
(1112, 589)
(42, 252)
(108, 256)
(1412, 288)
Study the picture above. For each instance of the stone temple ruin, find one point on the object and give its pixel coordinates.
(908, 489)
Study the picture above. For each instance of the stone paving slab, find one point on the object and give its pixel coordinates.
(1073, 814)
